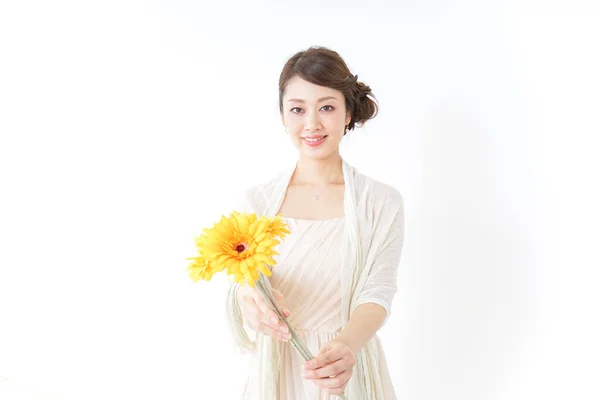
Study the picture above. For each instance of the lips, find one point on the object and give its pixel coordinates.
(314, 140)
(314, 137)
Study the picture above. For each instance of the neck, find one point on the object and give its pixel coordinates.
(318, 171)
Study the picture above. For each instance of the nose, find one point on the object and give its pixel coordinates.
(312, 121)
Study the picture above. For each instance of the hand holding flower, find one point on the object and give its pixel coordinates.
(332, 368)
(243, 245)
(259, 317)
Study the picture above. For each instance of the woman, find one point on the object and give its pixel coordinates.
(336, 272)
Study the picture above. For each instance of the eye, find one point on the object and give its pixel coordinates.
(331, 108)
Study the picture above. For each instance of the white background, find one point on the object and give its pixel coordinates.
(127, 126)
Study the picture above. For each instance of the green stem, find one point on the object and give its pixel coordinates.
(264, 287)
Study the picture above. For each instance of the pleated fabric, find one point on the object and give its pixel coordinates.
(370, 255)
(308, 273)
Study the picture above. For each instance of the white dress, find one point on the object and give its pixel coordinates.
(308, 273)
(371, 249)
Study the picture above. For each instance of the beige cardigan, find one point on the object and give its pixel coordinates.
(373, 240)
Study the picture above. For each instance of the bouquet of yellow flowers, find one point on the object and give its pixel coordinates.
(243, 245)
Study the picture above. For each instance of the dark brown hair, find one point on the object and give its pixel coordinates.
(325, 67)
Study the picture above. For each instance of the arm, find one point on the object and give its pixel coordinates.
(332, 367)
(364, 322)
(374, 303)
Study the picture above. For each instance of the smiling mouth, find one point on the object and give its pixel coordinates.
(314, 139)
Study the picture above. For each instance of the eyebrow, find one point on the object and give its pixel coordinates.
(321, 99)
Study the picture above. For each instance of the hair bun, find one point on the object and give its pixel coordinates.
(352, 80)
(362, 89)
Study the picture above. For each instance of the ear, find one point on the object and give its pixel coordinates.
(282, 119)
(348, 118)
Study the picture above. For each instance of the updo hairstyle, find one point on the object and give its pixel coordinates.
(325, 67)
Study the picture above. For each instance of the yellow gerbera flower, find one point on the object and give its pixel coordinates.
(241, 244)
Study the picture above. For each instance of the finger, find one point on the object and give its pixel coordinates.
(334, 385)
(251, 313)
(274, 319)
(244, 293)
(278, 298)
(268, 317)
(323, 359)
(324, 349)
(328, 371)
(274, 333)
(262, 304)
(255, 317)
(277, 294)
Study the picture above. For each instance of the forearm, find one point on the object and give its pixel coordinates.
(364, 322)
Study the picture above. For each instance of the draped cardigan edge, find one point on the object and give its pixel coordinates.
(374, 214)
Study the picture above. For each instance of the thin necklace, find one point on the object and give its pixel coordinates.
(325, 187)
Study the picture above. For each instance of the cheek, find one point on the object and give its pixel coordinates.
(291, 121)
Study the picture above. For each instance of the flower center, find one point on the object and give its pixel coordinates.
(240, 248)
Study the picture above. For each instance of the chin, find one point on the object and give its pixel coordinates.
(317, 155)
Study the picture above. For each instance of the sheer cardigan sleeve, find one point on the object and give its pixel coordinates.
(381, 284)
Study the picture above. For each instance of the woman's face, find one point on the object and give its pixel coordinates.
(314, 117)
